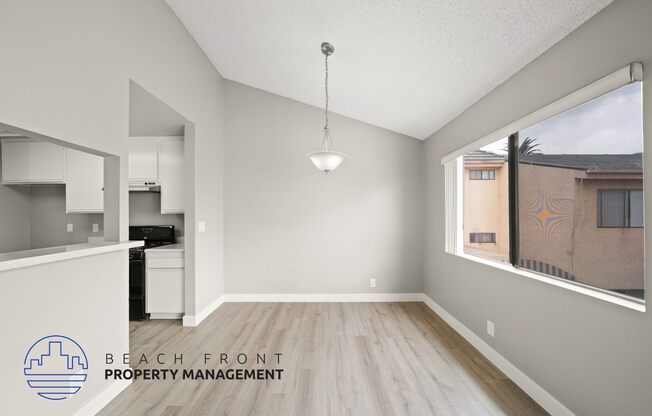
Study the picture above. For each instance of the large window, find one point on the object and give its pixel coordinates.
(566, 199)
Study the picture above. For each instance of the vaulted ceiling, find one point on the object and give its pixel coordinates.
(409, 66)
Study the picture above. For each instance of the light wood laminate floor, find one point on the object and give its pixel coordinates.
(339, 359)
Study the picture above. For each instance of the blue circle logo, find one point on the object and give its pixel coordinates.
(56, 367)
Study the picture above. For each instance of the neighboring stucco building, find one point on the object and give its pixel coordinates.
(574, 211)
(486, 220)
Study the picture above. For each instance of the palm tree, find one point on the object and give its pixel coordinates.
(529, 146)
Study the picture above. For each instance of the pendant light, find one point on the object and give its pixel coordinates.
(325, 159)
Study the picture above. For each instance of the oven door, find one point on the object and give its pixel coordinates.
(137, 290)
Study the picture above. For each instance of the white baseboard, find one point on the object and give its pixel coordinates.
(165, 315)
(538, 394)
(194, 320)
(323, 297)
(101, 399)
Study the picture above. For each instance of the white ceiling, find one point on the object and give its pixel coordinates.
(409, 66)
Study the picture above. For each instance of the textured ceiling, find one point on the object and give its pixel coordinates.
(409, 66)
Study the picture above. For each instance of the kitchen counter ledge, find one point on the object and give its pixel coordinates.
(170, 248)
(26, 258)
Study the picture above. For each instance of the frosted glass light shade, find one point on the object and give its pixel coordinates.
(326, 160)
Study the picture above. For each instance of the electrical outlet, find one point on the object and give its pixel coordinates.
(69, 228)
(372, 282)
(96, 228)
(201, 226)
(491, 328)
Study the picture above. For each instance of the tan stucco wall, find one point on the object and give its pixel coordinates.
(558, 226)
(486, 207)
(547, 215)
(610, 258)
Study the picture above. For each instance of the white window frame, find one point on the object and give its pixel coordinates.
(454, 182)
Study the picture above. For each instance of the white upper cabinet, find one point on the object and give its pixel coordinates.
(143, 160)
(172, 174)
(84, 182)
(46, 162)
(159, 160)
(30, 162)
(15, 162)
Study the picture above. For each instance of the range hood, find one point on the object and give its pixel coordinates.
(144, 186)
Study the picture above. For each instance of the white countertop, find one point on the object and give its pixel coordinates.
(170, 248)
(26, 258)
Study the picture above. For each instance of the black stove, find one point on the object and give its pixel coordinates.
(153, 236)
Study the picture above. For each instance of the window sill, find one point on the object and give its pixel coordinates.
(594, 293)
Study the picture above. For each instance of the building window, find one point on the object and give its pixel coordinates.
(571, 174)
(482, 238)
(482, 174)
(620, 208)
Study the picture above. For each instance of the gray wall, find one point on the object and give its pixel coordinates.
(83, 298)
(145, 209)
(49, 219)
(290, 228)
(80, 94)
(15, 216)
(149, 116)
(595, 357)
(34, 216)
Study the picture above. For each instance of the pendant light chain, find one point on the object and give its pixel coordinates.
(326, 87)
(327, 136)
